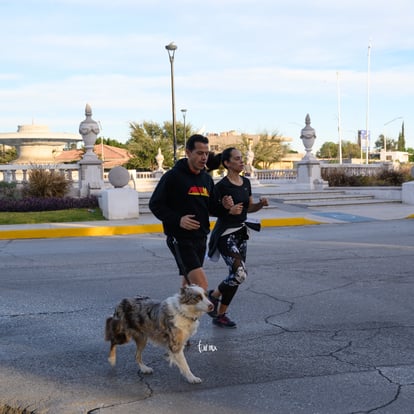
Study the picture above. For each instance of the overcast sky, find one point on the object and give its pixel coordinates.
(244, 65)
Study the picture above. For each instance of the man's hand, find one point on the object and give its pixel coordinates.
(189, 223)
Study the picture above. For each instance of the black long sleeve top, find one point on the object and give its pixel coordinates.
(181, 192)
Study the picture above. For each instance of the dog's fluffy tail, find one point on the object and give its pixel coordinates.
(108, 329)
(117, 334)
(115, 327)
(115, 331)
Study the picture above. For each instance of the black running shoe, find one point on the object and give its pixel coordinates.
(215, 303)
(224, 322)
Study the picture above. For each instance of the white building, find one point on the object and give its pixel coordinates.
(394, 156)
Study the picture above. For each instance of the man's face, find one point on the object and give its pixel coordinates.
(197, 158)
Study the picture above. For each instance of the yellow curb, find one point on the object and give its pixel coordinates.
(80, 232)
(410, 216)
(100, 231)
(291, 221)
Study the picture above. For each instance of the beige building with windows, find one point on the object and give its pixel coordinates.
(220, 141)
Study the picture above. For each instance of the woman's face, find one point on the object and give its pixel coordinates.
(235, 162)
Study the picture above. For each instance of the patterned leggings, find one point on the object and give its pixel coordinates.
(233, 249)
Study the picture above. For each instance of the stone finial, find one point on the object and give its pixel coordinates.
(249, 169)
(308, 137)
(89, 129)
(88, 110)
(159, 158)
(118, 177)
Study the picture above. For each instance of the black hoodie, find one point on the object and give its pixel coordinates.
(181, 192)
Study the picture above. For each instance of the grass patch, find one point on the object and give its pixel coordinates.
(57, 216)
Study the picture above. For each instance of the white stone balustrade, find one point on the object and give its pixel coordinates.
(279, 176)
(366, 170)
(19, 173)
(146, 180)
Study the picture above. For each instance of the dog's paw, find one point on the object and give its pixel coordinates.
(194, 380)
(146, 370)
(112, 361)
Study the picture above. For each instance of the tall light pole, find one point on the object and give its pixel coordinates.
(385, 139)
(171, 48)
(184, 112)
(339, 118)
(367, 136)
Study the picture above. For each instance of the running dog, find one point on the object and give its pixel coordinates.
(168, 323)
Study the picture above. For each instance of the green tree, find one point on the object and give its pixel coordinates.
(391, 143)
(328, 149)
(168, 132)
(401, 139)
(147, 137)
(143, 145)
(350, 149)
(268, 150)
(110, 141)
(7, 155)
(410, 154)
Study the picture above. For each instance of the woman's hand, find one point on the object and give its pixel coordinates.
(227, 202)
(263, 201)
(236, 209)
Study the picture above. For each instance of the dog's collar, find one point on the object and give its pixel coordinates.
(193, 319)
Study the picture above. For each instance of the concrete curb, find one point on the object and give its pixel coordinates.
(100, 231)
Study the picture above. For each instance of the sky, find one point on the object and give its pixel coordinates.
(252, 66)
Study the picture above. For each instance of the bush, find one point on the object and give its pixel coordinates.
(8, 190)
(46, 183)
(391, 177)
(47, 204)
(337, 177)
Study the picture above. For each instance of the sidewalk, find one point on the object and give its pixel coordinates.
(278, 214)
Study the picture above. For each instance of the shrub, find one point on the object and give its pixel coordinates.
(337, 177)
(8, 190)
(46, 183)
(391, 177)
(47, 204)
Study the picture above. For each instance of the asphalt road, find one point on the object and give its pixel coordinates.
(325, 325)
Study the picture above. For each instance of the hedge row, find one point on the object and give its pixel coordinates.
(338, 178)
(46, 204)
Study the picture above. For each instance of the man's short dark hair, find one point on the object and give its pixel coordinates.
(190, 145)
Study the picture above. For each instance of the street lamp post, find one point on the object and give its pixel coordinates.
(339, 118)
(171, 48)
(184, 112)
(367, 136)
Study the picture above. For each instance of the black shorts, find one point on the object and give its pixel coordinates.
(191, 252)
